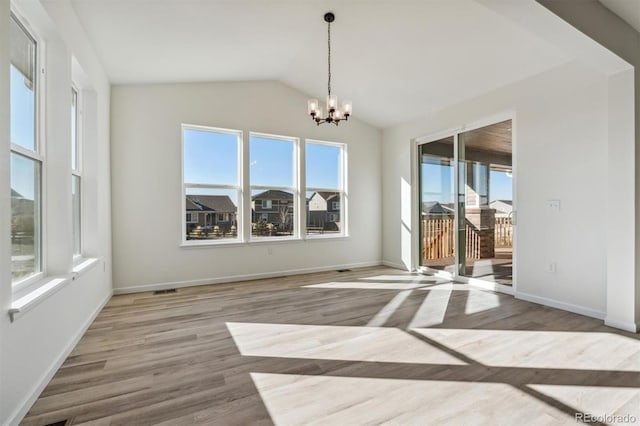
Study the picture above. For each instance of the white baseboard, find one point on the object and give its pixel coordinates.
(394, 265)
(23, 409)
(235, 278)
(622, 325)
(560, 305)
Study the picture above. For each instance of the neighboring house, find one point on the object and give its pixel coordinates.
(207, 211)
(433, 209)
(503, 207)
(323, 210)
(22, 216)
(272, 206)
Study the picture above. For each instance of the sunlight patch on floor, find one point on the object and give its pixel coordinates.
(368, 286)
(450, 286)
(433, 309)
(541, 349)
(478, 301)
(372, 344)
(426, 279)
(389, 309)
(328, 400)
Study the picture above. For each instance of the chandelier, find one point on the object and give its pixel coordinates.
(334, 113)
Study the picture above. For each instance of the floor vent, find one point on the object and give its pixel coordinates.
(167, 291)
(60, 423)
(344, 270)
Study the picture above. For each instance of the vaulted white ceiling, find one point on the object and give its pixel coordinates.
(395, 59)
(629, 10)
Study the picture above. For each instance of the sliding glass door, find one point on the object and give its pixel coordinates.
(437, 211)
(468, 231)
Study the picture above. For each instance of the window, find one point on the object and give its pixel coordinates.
(76, 177)
(325, 191)
(26, 160)
(192, 217)
(211, 183)
(273, 178)
(216, 187)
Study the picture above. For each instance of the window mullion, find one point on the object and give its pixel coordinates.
(27, 153)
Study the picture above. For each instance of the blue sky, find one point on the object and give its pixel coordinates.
(213, 158)
(22, 133)
(500, 186)
(436, 187)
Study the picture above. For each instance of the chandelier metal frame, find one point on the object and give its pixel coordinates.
(335, 114)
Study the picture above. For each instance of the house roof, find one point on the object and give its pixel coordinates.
(434, 207)
(508, 202)
(15, 194)
(327, 195)
(212, 203)
(273, 194)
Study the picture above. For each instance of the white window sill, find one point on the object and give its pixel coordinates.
(83, 265)
(210, 244)
(324, 237)
(262, 240)
(27, 298)
(274, 240)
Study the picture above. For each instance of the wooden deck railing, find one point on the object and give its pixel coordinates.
(504, 232)
(438, 238)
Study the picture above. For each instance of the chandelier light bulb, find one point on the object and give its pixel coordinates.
(332, 102)
(312, 106)
(347, 108)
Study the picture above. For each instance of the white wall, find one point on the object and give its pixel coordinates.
(610, 31)
(560, 152)
(146, 183)
(5, 201)
(35, 344)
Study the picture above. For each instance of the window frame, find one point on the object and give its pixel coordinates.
(295, 189)
(77, 172)
(36, 155)
(245, 189)
(343, 203)
(240, 237)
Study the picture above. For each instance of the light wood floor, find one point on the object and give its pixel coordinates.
(369, 346)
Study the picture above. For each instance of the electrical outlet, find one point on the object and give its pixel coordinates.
(551, 267)
(269, 251)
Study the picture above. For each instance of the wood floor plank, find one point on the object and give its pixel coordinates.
(302, 350)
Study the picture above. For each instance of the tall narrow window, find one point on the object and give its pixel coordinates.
(273, 186)
(211, 184)
(325, 191)
(76, 176)
(26, 160)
